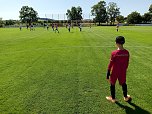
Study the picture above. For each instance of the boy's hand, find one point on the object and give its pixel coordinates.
(108, 74)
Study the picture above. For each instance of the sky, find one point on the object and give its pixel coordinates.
(9, 9)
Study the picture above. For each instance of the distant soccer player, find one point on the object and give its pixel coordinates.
(56, 28)
(117, 69)
(69, 27)
(53, 26)
(47, 27)
(117, 27)
(80, 27)
(20, 27)
(31, 27)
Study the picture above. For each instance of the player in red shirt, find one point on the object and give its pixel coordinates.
(117, 69)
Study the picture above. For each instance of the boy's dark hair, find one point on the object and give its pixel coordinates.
(120, 40)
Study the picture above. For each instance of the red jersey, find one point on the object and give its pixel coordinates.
(118, 65)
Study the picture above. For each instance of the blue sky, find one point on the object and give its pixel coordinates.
(9, 9)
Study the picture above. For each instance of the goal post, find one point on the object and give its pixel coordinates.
(62, 19)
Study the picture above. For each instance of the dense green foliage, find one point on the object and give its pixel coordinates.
(134, 18)
(150, 8)
(1, 23)
(75, 13)
(113, 12)
(120, 19)
(28, 14)
(147, 17)
(42, 72)
(9, 22)
(105, 13)
(99, 11)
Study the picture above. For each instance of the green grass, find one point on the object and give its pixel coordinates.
(50, 73)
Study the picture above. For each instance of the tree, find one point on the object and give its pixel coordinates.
(74, 13)
(99, 11)
(113, 12)
(134, 18)
(147, 17)
(9, 22)
(79, 13)
(1, 23)
(120, 18)
(150, 8)
(28, 14)
(150, 11)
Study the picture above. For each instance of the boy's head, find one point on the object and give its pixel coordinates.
(120, 40)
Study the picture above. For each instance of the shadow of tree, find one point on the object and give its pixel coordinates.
(129, 110)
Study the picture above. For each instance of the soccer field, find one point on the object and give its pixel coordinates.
(49, 73)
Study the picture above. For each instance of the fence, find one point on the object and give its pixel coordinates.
(64, 16)
(143, 24)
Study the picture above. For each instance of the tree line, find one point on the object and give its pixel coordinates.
(102, 13)
(111, 14)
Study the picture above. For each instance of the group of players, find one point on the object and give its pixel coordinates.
(69, 27)
(54, 27)
(31, 27)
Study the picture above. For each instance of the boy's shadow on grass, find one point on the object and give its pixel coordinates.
(129, 110)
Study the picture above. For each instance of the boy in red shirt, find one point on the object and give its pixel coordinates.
(117, 69)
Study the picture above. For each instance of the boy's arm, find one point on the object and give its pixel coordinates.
(110, 66)
(108, 74)
(128, 60)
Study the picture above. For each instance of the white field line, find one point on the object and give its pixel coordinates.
(69, 47)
